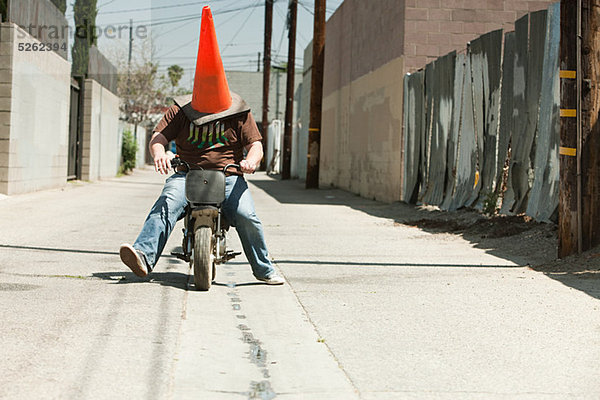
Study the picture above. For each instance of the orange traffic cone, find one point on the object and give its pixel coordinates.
(211, 91)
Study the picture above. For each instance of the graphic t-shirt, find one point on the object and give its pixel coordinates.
(212, 145)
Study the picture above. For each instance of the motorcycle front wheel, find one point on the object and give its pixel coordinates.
(203, 260)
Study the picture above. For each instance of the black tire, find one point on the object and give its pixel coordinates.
(203, 260)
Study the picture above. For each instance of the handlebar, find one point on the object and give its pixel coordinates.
(178, 162)
(232, 165)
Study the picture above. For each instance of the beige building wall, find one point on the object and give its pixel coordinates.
(361, 126)
(34, 115)
(361, 144)
(101, 133)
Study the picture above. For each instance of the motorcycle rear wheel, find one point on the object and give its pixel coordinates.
(203, 258)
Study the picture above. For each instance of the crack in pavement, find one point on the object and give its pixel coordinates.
(257, 353)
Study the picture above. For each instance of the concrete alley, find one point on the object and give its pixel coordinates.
(374, 308)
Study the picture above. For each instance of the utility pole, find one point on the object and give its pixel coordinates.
(266, 76)
(129, 65)
(579, 188)
(289, 94)
(316, 96)
(130, 46)
(567, 208)
(258, 63)
(589, 138)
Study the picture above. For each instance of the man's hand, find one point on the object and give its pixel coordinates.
(161, 157)
(247, 167)
(255, 154)
(162, 162)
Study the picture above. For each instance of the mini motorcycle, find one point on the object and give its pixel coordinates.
(205, 228)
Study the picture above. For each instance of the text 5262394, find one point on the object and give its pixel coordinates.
(41, 46)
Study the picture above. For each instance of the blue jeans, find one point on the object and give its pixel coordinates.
(238, 208)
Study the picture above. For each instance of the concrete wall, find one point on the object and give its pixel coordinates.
(34, 115)
(142, 146)
(299, 146)
(362, 99)
(301, 150)
(361, 141)
(101, 134)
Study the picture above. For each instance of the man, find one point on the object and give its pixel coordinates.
(211, 131)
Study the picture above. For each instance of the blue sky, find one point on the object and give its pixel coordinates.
(174, 28)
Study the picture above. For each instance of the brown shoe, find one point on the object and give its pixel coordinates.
(134, 259)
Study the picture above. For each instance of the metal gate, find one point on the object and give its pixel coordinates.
(75, 145)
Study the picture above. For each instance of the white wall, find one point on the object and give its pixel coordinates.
(140, 159)
(301, 143)
(101, 134)
(35, 88)
(274, 149)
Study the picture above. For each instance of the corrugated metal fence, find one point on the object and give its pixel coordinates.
(481, 129)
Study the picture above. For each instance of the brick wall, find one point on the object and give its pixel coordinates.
(436, 27)
(6, 68)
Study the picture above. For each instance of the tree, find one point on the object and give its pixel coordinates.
(142, 90)
(175, 73)
(85, 34)
(61, 5)
(3, 10)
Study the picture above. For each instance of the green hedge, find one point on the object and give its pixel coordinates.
(128, 152)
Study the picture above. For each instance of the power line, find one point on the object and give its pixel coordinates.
(177, 48)
(195, 39)
(311, 12)
(176, 28)
(282, 31)
(241, 27)
(182, 18)
(223, 56)
(196, 3)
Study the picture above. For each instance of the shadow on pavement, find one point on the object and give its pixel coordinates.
(80, 251)
(173, 279)
(383, 264)
(579, 271)
(587, 282)
(514, 238)
(54, 249)
(231, 285)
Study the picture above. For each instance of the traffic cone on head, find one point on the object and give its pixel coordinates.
(211, 91)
